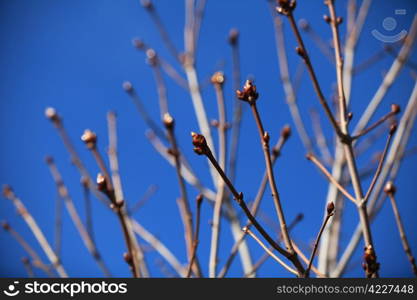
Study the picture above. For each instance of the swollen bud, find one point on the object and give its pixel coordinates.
(330, 208)
(395, 108)
(390, 188)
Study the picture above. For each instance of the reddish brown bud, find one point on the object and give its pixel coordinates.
(285, 7)
(127, 86)
(52, 115)
(330, 208)
(266, 137)
(147, 4)
(128, 258)
(350, 116)
(49, 159)
(286, 132)
(248, 93)
(169, 121)
(200, 143)
(89, 138)
(152, 57)
(101, 182)
(300, 52)
(326, 19)
(5, 225)
(390, 188)
(138, 44)
(218, 78)
(395, 108)
(7, 191)
(233, 36)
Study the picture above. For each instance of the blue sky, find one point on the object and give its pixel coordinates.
(75, 55)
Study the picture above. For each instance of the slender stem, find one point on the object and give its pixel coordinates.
(275, 195)
(371, 265)
(160, 83)
(380, 164)
(87, 209)
(276, 150)
(391, 194)
(196, 234)
(264, 257)
(186, 172)
(29, 250)
(144, 199)
(329, 176)
(289, 90)
(267, 250)
(118, 205)
(69, 204)
(202, 148)
(128, 87)
(321, 139)
(150, 8)
(28, 267)
(58, 227)
(237, 109)
(37, 232)
(159, 247)
(375, 125)
(306, 58)
(186, 216)
(218, 80)
(316, 243)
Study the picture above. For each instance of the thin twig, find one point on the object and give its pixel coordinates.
(28, 266)
(29, 250)
(330, 213)
(218, 81)
(320, 138)
(390, 190)
(159, 247)
(199, 201)
(186, 172)
(128, 87)
(37, 232)
(69, 204)
(287, 10)
(106, 186)
(329, 176)
(250, 95)
(267, 250)
(380, 164)
(394, 110)
(276, 151)
(201, 148)
(186, 215)
(237, 108)
(371, 264)
(145, 198)
(288, 86)
(150, 8)
(58, 227)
